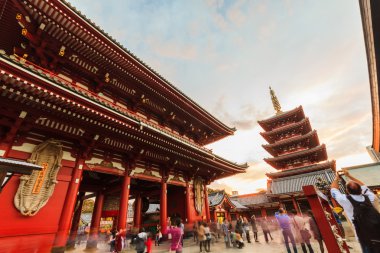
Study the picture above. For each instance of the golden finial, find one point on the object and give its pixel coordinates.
(276, 104)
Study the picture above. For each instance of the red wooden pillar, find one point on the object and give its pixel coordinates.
(123, 207)
(325, 219)
(215, 216)
(163, 206)
(189, 217)
(263, 212)
(296, 206)
(207, 207)
(95, 221)
(68, 207)
(137, 215)
(75, 223)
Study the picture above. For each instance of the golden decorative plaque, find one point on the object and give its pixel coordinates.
(198, 195)
(35, 190)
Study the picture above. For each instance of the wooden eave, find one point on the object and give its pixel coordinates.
(79, 33)
(273, 148)
(270, 136)
(320, 151)
(266, 123)
(301, 170)
(29, 86)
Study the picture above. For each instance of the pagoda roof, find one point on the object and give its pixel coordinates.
(270, 136)
(40, 89)
(266, 123)
(273, 148)
(75, 30)
(303, 170)
(277, 162)
(293, 184)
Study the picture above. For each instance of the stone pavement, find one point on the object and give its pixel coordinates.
(219, 247)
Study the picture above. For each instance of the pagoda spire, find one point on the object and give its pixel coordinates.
(275, 102)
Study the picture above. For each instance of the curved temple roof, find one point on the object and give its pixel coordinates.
(319, 151)
(274, 148)
(266, 123)
(37, 77)
(80, 26)
(217, 198)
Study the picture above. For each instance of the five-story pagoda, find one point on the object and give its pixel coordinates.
(297, 155)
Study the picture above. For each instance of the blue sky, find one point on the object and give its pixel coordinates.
(225, 54)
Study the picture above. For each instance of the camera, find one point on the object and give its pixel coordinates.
(340, 173)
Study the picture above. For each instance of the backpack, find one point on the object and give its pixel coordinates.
(140, 244)
(366, 220)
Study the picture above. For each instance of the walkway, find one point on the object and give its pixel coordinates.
(275, 246)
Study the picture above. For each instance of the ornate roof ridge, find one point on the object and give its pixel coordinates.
(294, 154)
(280, 115)
(133, 116)
(243, 166)
(303, 121)
(291, 139)
(298, 175)
(101, 31)
(301, 170)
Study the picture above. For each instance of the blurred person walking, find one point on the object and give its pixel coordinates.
(201, 236)
(265, 227)
(158, 236)
(239, 226)
(177, 235)
(315, 230)
(226, 233)
(302, 232)
(246, 229)
(285, 224)
(208, 237)
(195, 232)
(254, 228)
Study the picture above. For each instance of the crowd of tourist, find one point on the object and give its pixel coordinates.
(359, 205)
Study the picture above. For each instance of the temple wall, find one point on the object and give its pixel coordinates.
(19, 233)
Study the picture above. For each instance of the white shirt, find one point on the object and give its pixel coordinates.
(143, 235)
(346, 204)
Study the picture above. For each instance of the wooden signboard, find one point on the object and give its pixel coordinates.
(326, 222)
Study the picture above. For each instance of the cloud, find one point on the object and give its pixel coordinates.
(172, 48)
(219, 185)
(244, 119)
(224, 54)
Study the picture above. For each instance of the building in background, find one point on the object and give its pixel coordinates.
(222, 206)
(258, 204)
(367, 173)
